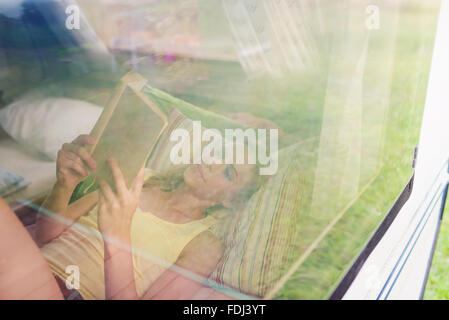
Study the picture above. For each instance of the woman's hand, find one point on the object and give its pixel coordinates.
(115, 214)
(74, 162)
(116, 210)
(73, 165)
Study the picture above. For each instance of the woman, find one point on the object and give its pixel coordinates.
(170, 232)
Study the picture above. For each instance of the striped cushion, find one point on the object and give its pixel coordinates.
(258, 240)
(159, 160)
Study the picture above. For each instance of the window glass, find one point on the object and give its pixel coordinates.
(326, 98)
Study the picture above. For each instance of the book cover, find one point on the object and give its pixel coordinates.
(127, 130)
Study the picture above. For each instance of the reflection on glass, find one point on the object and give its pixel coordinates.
(343, 82)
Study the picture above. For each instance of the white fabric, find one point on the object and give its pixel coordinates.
(44, 124)
(35, 168)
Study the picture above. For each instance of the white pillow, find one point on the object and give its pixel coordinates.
(45, 124)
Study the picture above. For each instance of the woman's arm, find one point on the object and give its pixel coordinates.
(115, 214)
(198, 259)
(195, 264)
(119, 270)
(182, 281)
(53, 221)
(72, 166)
(24, 273)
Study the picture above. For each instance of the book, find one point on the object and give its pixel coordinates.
(127, 130)
(11, 182)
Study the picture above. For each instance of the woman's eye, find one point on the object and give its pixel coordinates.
(228, 174)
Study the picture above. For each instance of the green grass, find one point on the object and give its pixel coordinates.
(437, 287)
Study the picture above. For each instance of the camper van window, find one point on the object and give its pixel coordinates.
(284, 132)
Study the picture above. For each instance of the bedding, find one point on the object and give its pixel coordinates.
(39, 171)
(44, 124)
(3, 133)
(11, 182)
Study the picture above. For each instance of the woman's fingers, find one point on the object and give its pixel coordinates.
(81, 152)
(64, 174)
(107, 192)
(66, 155)
(79, 170)
(119, 180)
(73, 165)
(84, 139)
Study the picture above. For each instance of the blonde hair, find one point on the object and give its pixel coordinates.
(174, 179)
(169, 181)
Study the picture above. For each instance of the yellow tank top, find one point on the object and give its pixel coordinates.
(156, 245)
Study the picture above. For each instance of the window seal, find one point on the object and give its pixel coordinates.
(354, 270)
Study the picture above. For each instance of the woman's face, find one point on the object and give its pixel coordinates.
(217, 182)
